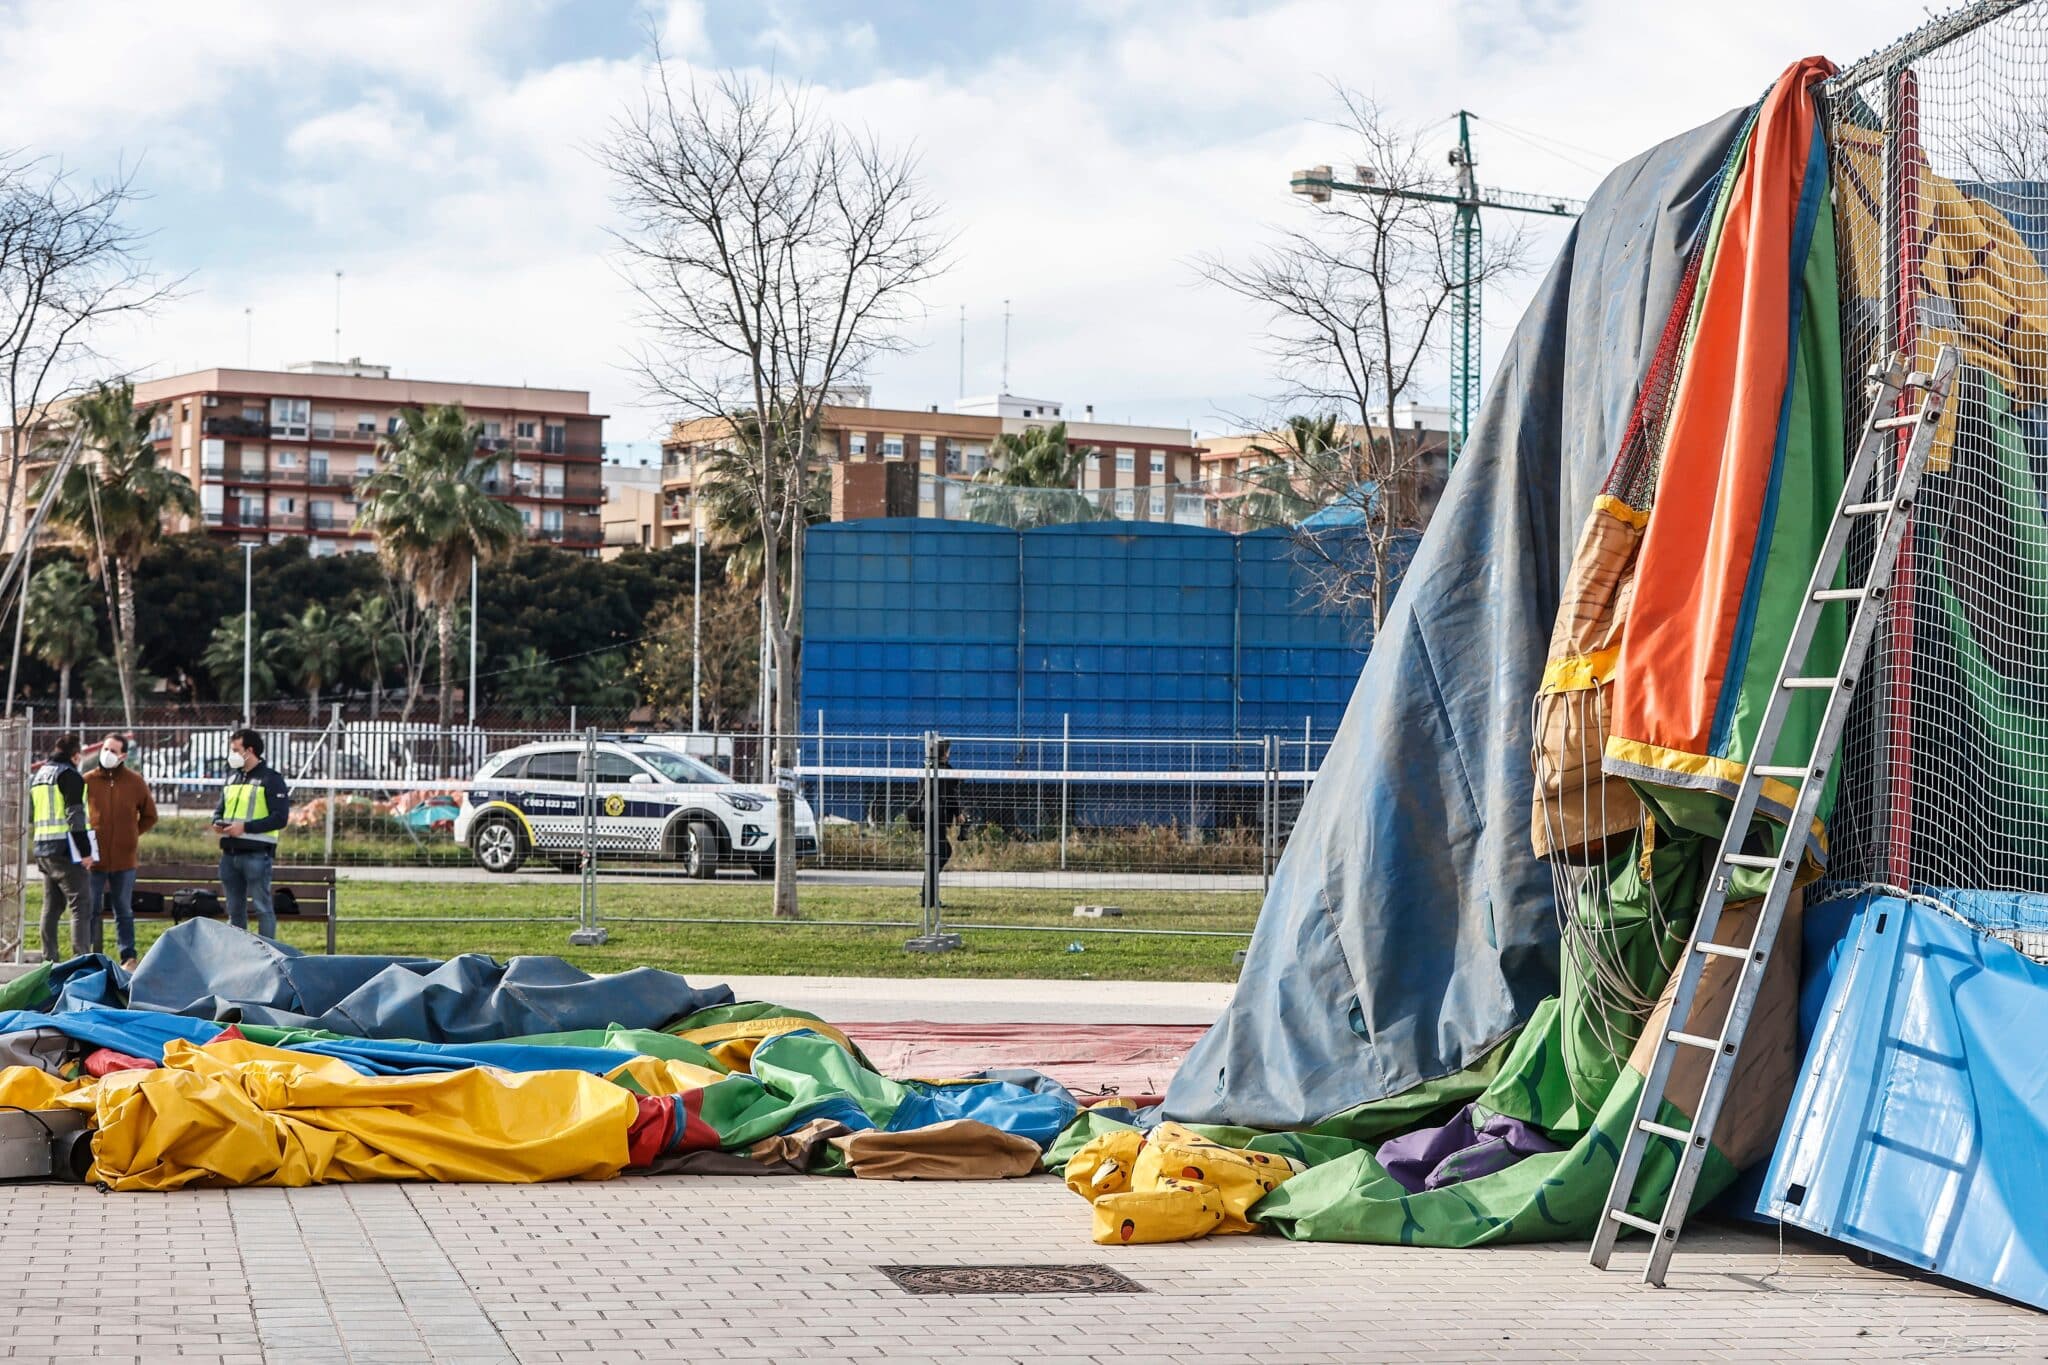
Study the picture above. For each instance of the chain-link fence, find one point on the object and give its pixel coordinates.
(1133, 834)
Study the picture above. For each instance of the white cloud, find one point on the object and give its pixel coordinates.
(453, 182)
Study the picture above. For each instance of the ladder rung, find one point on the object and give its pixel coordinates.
(1722, 949)
(1695, 1040)
(1751, 860)
(1665, 1130)
(1623, 1216)
(1813, 683)
(1846, 594)
(1868, 509)
(1919, 379)
(1778, 770)
(1894, 423)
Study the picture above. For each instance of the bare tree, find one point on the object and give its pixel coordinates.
(775, 255)
(69, 263)
(1357, 301)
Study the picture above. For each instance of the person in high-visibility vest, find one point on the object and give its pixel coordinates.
(254, 806)
(64, 847)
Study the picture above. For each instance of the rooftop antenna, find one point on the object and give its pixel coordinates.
(337, 317)
(1006, 346)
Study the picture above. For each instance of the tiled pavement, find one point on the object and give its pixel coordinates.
(702, 1269)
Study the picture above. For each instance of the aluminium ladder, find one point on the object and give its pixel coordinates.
(1889, 383)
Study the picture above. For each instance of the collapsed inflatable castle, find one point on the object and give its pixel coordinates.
(1444, 1023)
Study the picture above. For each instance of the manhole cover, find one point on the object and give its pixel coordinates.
(1010, 1279)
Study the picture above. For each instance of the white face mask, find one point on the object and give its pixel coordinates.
(108, 758)
(244, 760)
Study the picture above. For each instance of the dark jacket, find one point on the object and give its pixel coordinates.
(275, 794)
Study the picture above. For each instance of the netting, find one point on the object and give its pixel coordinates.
(1939, 155)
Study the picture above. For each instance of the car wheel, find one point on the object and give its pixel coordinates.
(699, 851)
(497, 845)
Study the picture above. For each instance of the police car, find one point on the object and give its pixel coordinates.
(652, 802)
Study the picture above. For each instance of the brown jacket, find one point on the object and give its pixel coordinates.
(122, 812)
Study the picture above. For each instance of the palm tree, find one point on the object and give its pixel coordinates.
(118, 505)
(62, 628)
(370, 641)
(222, 660)
(1296, 476)
(728, 481)
(312, 649)
(1033, 480)
(531, 685)
(433, 518)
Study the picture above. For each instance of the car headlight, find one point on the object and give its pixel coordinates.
(742, 800)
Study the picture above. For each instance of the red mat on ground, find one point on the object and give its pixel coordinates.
(1089, 1059)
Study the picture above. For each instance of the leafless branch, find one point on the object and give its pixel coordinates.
(775, 255)
(1357, 300)
(69, 263)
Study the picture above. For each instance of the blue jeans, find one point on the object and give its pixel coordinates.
(246, 879)
(122, 885)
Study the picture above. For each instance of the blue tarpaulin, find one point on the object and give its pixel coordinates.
(213, 971)
(1919, 1129)
(1410, 928)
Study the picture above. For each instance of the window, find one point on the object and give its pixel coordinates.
(160, 427)
(857, 443)
(286, 459)
(391, 425)
(366, 424)
(553, 765)
(493, 430)
(681, 767)
(1126, 460)
(322, 512)
(955, 461)
(185, 411)
(252, 461)
(213, 457)
(928, 446)
(526, 431)
(1126, 502)
(252, 412)
(1158, 505)
(554, 438)
(316, 465)
(289, 416)
(551, 521)
(366, 465)
(892, 447)
(1158, 462)
(323, 425)
(615, 770)
(551, 480)
(977, 459)
(287, 507)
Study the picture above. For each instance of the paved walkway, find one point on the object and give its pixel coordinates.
(713, 1269)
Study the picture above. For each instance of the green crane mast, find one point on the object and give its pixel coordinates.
(1467, 198)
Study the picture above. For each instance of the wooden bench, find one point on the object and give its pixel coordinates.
(298, 894)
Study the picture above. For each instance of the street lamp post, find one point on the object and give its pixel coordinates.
(696, 618)
(472, 642)
(248, 628)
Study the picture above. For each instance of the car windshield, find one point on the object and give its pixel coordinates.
(679, 767)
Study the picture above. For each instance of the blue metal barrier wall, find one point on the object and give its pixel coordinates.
(1114, 628)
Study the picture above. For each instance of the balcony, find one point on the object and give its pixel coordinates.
(236, 426)
(295, 474)
(578, 530)
(212, 469)
(325, 476)
(238, 521)
(359, 433)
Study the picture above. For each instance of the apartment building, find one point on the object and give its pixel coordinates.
(632, 501)
(278, 453)
(1135, 468)
(1224, 461)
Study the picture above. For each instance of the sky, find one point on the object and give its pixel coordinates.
(439, 154)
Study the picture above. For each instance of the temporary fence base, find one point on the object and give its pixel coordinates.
(587, 938)
(933, 943)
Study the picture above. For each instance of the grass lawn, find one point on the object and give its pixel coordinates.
(764, 946)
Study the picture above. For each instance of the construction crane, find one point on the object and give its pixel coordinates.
(1318, 184)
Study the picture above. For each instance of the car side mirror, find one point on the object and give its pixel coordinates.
(642, 779)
